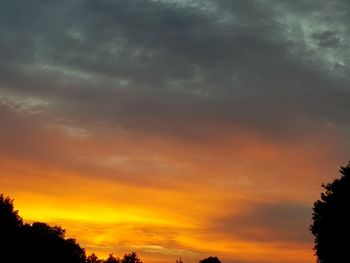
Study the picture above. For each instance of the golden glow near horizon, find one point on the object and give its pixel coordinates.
(131, 201)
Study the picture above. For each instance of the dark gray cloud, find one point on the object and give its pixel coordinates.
(327, 38)
(158, 65)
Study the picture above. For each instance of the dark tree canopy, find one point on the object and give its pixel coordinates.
(112, 259)
(210, 260)
(9, 218)
(131, 258)
(93, 259)
(37, 243)
(42, 243)
(331, 220)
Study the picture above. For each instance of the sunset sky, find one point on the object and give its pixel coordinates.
(189, 128)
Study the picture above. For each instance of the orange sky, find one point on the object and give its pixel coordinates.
(175, 128)
(236, 198)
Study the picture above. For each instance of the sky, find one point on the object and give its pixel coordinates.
(189, 128)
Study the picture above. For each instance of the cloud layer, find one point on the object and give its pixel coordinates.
(246, 100)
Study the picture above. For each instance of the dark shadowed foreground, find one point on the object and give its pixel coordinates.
(331, 220)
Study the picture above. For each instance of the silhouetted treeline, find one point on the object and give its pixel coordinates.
(41, 243)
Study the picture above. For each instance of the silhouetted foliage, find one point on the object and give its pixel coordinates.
(210, 260)
(93, 259)
(49, 244)
(179, 261)
(131, 258)
(331, 220)
(39, 242)
(42, 243)
(10, 234)
(9, 218)
(112, 259)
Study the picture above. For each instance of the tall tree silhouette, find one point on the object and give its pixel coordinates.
(39, 242)
(331, 220)
(9, 218)
(10, 231)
